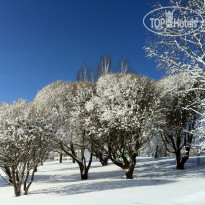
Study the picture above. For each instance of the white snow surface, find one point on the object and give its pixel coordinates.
(156, 182)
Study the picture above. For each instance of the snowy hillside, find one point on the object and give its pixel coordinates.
(155, 182)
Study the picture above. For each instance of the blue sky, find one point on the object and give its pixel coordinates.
(42, 41)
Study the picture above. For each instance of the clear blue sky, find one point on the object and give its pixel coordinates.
(42, 41)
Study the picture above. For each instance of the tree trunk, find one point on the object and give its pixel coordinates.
(61, 158)
(130, 170)
(8, 173)
(85, 168)
(84, 175)
(178, 160)
(35, 169)
(103, 161)
(129, 173)
(81, 163)
(156, 155)
(73, 151)
(31, 181)
(181, 160)
(16, 185)
(180, 165)
(25, 180)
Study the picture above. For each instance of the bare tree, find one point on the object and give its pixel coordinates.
(104, 66)
(86, 74)
(123, 66)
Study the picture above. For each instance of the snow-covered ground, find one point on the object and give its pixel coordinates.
(155, 182)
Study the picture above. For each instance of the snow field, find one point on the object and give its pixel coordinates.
(156, 182)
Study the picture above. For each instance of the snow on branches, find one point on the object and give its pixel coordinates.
(119, 115)
(183, 55)
(25, 139)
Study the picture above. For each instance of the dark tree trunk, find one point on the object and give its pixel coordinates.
(125, 164)
(8, 173)
(73, 151)
(25, 180)
(31, 181)
(61, 158)
(178, 160)
(181, 160)
(35, 169)
(156, 155)
(103, 161)
(84, 175)
(16, 185)
(17, 177)
(130, 170)
(129, 174)
(84, 168)
(180, 166)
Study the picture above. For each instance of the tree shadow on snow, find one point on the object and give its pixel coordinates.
(166, 167)
(98, 181)
(148, 172)
(88, 186)
(119, 174)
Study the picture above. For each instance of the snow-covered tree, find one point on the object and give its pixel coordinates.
(25, 141)
(94, 130)
(180, 52)
(176, 119)
(183, 53)
(83, 92)
(123, 105)
(65, 101)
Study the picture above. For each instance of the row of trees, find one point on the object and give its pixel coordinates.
(115, 118)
